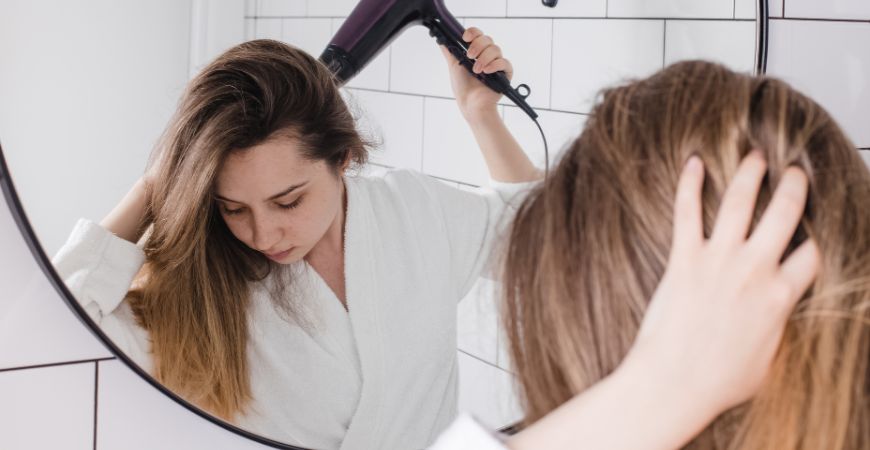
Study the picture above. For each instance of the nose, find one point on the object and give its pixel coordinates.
(265, 233)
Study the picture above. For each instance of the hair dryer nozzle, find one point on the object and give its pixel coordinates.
(340, 63)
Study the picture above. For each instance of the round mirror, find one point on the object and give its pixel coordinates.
(89, 88)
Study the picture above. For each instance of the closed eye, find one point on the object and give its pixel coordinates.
(291, 205)
(232, 212)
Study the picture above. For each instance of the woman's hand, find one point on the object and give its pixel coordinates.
(716, 320)
(712, 329)
(475, 98)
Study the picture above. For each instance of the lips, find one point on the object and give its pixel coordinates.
(278, 256)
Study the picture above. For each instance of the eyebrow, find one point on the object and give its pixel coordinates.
(280, 194)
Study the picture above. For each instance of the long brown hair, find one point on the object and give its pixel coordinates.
(193, 293)
(590, 245)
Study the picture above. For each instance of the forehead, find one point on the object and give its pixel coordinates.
(260, 171)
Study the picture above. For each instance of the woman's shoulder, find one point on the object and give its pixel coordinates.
(395, 183)
(379, 175)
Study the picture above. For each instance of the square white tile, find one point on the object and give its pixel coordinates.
(488, 393)
(449, 148)
(133, 415)
(281, 8)
(565, 8)
(560, 128)
(269, 29)
(830, 62)
(331, 8)
(311, 35)
(477, 8)
(527, 43)
(828, 9)
(48, 408)
(730, 42)
(250, 29)
(707, 9)
(396, 120)
(582, 65)
(417, 65)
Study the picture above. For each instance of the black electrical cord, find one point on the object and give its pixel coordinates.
(546, 150)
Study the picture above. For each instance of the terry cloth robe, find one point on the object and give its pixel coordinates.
(382, 375)
(465, 433)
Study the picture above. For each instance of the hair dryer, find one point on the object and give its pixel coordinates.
(373, 24)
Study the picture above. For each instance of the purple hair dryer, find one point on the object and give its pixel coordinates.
(373, 24)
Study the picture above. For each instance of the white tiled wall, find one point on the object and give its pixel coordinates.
(61, 389)
(830, 61)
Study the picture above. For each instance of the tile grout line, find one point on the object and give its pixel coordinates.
(96, 397)
(552, 53)
(665, 42)
(65, 363)
(819, 19)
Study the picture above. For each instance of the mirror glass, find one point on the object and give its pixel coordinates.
(88, 88)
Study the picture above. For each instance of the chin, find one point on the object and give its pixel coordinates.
(293, 257)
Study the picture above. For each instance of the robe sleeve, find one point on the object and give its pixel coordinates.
(98, 268)
(465, 433)
(476, 221)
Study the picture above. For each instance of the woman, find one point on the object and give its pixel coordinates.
(279, 293)
(275, 291)
(589, 247)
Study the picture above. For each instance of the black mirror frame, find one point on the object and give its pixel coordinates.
(761, 52)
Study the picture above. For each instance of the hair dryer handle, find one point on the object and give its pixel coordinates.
(497, 81)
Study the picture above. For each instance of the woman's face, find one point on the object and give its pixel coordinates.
(278, 202)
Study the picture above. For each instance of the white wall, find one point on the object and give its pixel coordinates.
(59, 388)
(87, 88)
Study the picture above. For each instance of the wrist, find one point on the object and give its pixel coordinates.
(481, 114)
(679, 404)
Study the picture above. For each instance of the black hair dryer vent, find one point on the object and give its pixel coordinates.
(373, 24)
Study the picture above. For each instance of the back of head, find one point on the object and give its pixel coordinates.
(590, 245)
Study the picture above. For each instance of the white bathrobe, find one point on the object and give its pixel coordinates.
(382, 375)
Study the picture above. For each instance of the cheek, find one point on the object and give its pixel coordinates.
(314, 221)
(239, 228)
